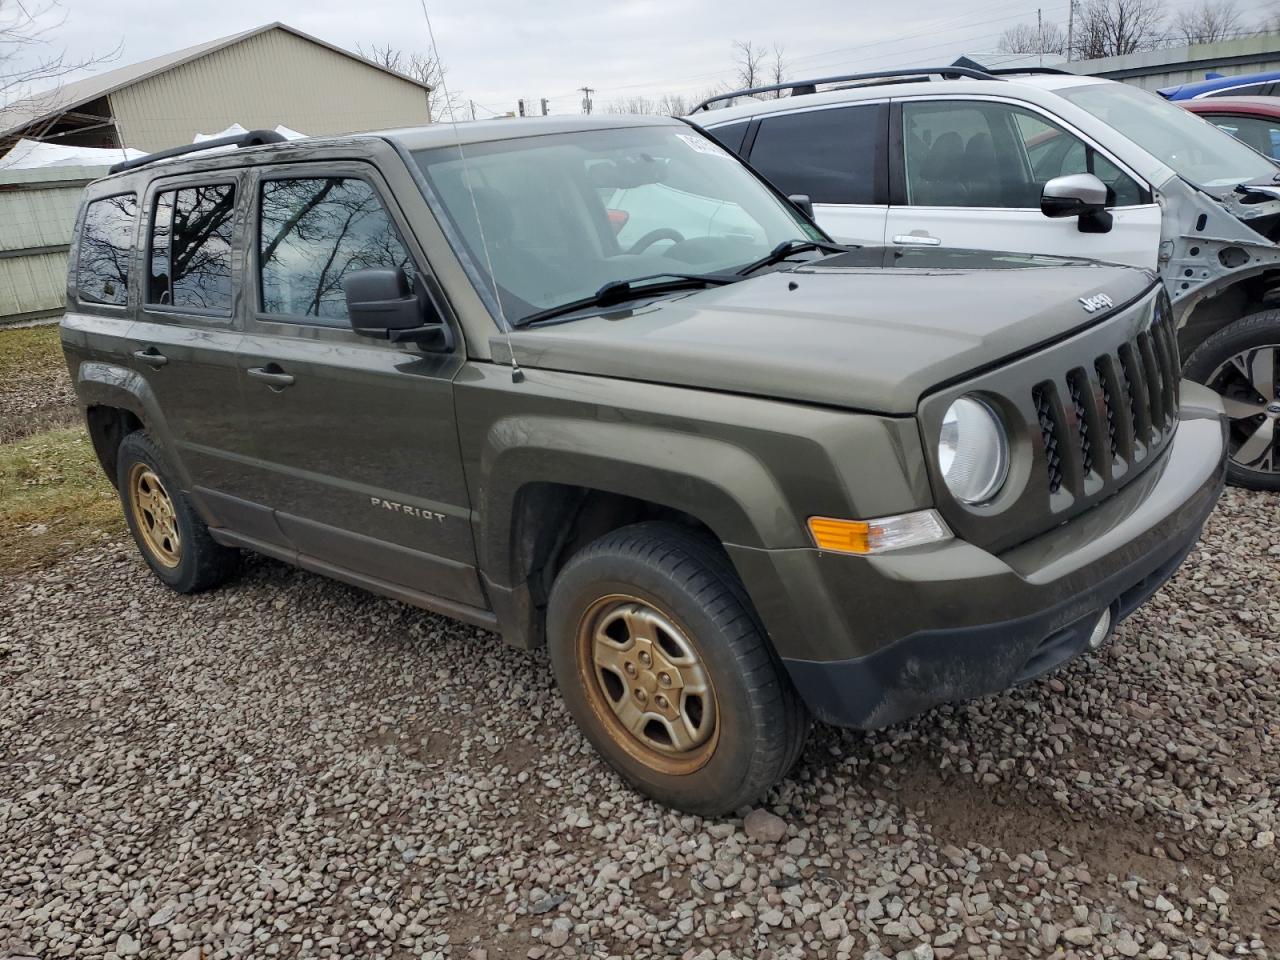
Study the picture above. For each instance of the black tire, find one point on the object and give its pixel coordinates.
(201, 562)
(1208, 364)
(760, 721)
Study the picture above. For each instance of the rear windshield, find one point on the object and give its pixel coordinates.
(1195, 149)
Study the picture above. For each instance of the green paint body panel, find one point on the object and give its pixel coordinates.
(816, 390)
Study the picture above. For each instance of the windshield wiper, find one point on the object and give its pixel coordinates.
(787, 247)
(619, 291)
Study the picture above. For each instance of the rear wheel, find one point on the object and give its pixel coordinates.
(169, 533)
(667, 671)
(1241, 363)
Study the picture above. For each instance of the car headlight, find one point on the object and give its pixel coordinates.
(973, 451)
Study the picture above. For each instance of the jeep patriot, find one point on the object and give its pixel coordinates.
(592, 383)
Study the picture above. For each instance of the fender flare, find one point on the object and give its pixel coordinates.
(707, 478)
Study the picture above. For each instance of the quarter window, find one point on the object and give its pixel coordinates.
(106, 247)
(190, 261)
(833, 156)
(313, 233)
(980, 154)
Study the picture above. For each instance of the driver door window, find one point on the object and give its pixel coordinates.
(972, 172)
(981, 154)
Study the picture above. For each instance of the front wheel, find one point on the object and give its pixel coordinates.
(1240, 364)
(666, 669)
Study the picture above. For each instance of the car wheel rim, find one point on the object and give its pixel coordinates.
(154, 514)
(647, 684)
(1250, 390)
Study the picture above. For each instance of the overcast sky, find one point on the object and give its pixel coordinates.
(500, 50)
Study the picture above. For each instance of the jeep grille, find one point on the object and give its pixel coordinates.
(1129, 395)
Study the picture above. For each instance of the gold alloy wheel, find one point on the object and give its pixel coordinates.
(647, 684)
(154, 514)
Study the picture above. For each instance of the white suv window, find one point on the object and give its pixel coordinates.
(985, 154)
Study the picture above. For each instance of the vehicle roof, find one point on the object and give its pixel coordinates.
(412, 138)
(1197, 87)
(1246, 106)
(1030, 86)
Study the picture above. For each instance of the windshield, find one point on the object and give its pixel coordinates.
(1198, 151)
(564, 214)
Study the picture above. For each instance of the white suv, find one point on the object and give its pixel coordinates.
(1046, 162)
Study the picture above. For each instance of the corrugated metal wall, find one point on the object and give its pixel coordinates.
(274, 77)
(37, 213)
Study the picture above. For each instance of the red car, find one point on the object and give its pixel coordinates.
(1253, 120)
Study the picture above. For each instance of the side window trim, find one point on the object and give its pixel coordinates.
(233, 178)
(345, 168)
(131, 265)
(898, 190)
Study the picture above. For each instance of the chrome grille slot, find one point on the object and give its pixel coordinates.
(1135, 390)
(1104, 370)
(1050, 434)
(1155, 385)
(1080, 391)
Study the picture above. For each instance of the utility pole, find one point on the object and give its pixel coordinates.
(1040, 35)
(473, 109)
(544, 106)
(520, 104)
(586, 98)
(1071, 27)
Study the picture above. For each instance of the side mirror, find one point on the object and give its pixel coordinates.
(381, 304)
(1080, 195)
(802, 203)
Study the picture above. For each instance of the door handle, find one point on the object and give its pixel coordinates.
(272, 376)
(151, 356)
(917, 240)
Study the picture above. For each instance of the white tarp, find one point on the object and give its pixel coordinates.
(32, 154)
(236, 130)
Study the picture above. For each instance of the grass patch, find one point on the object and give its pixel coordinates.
(54, 499)
(27, 349)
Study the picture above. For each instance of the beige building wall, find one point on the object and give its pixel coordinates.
(271, 78)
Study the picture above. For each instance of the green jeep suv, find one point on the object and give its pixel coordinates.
(593, 384)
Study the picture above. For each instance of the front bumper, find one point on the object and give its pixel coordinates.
(869, 641)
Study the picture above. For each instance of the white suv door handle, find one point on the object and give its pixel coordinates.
(917, 240)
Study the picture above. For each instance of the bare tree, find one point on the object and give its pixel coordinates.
(1028, 38)
(422, 67)
(778, 69)
(673, 105)
(639, 105)
(1211, 21)
(748, 59)
(1112, 28)
(29, 56)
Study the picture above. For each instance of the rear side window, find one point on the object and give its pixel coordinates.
(731, 135)
(834, 156)
(190, 255)
(106, 247)
(1250, 90)
(314, 232)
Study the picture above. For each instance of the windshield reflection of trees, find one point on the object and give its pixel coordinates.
(106, 243)
(316, 232)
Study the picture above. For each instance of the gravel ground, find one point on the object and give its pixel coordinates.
(288, 767)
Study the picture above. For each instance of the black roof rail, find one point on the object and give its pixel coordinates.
(802, 87)
(254, 138)
(1014, 71)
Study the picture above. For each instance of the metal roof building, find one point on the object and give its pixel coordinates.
(270, 75)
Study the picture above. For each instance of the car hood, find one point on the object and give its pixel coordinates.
(874, 329)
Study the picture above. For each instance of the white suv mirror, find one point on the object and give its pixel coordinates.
(1077, 195)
